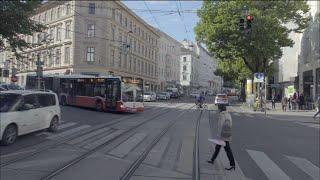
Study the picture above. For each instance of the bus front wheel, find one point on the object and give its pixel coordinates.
(99, 106)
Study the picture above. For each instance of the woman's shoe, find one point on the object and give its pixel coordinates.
(210, 162)
(230, 168)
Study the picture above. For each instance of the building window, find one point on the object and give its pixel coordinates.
(184, 59)
(51, 15)
(184, 68)
(58, 57)
(68, 29)
(134, 65)
(120, 59)
(125, 61)
(90, 54)
(113, 33)
(68, 9)
(113, 13)
(120, 18)
(58, 34)
(92, 8)
(126, 22)
(52, 34)
(184, 77)
(58, 12)
(130, 26)
(91, 30)
(67, 55)
(112, 57)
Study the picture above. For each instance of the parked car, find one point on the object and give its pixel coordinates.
(162, 96)
(194, 94)
(149, 96)
(221, 99)
(23, 112)
(168, 95)
(10, 87)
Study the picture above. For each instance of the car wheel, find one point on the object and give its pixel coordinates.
(99, 106)
(10, 135)
(54, 124)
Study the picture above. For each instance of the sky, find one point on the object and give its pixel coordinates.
(175, 18)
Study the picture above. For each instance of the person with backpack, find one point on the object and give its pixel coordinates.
(224, 134)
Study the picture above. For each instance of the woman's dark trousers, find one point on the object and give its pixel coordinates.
(228, 150)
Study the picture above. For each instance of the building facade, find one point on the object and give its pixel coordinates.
(168, 62)
(92, 37)
(197, 69)
(309, 57)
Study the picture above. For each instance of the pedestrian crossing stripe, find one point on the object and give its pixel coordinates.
(273, 171)
(306, 166)
(269, 168)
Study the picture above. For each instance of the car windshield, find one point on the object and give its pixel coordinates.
(7, 101)
(222, 96)
(147, 93)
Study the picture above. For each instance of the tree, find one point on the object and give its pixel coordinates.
(218, 29)
(15, 21)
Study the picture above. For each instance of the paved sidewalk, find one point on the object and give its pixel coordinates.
(243, 108)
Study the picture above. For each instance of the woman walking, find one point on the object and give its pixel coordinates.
(224, 134)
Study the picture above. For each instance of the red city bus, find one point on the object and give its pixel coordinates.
(102, 93)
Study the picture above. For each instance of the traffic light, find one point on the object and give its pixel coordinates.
(249, 19)
(241, 24)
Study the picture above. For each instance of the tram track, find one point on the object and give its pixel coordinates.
(136, 164)
(196, 165)
(64, 140)
(97, 148)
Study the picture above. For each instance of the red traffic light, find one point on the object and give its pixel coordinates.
(249, 18)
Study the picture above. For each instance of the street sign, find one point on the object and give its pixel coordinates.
(258, 77)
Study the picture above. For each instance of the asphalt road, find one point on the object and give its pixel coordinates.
(160, 144)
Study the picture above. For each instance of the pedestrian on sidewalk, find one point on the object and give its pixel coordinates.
(294, 101)
(290, 102)
(301, 102)
(273, 102)
(318, 108)
(284, 103)
(224, 134)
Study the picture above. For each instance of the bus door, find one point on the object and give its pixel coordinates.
(73, 90)
(113, 93)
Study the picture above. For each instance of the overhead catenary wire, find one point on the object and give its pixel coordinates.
(155, 19)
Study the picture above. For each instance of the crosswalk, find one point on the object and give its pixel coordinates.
(273, 171)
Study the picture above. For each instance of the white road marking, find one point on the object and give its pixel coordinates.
(87, 136)
(306, 166)
(270, 169)
(102, 140)
(68, 132)
(62, 126)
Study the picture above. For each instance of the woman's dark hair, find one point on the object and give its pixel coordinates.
(222, 107)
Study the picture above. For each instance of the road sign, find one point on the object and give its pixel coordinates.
(258, 77)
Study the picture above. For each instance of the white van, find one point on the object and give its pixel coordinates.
(23, 112)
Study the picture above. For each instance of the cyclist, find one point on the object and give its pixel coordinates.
(200, 100)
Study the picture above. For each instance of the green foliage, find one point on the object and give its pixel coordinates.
(15, 21)
(218, 29)
(233, 71)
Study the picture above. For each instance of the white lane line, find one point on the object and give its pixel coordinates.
(68, 132)
(87, 136)
(102, 140)
(62, 126)
(306, 166)
(66, 125)
(124, 148)
(236, 114)
(270, 169)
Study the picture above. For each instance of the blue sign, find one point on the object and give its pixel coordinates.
(258, 77)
